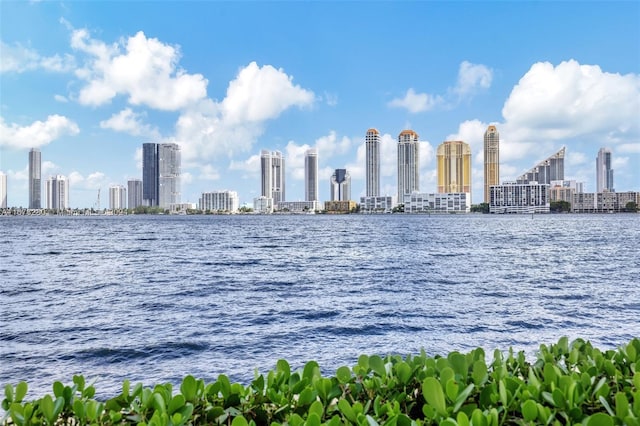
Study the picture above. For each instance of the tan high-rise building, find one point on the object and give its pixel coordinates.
(491, 160)
(454, 167)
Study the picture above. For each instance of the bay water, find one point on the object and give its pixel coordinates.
(155, 298)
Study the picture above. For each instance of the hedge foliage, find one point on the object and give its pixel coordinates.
(568, 384)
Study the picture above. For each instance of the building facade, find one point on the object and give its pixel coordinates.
(219, 201)
(380, 204)
(161, 165)
(513, 197)
(3, 191)
(311, 175)
(454, 167)
(134, 193)
(57, 193)
(340, 188)
(417, 202)
(372, 165)
(272, 175)
(551, 168)
(491, 160)
(604, 172)
(150, 174)
(336, 206)
(263, 204)
(117, 197)
(299, 206)
(408, 163)
(35, 179)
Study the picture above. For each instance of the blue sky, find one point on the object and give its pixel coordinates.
(89, 82)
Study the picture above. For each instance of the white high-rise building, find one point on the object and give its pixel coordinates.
(372, 149)
(408, 163)
(134, 191)
(272, 175)
(311, 175)
(117, 197)
(604, 172)
(341, 185)
(57, 193)
(219, 201)
(3, 191)
(491, 160)
(35, 179)
(169, 160)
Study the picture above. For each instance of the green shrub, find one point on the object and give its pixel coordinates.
(568, 384)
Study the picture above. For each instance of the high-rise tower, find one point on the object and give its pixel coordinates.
(604, 172)
(150, 174)
(311, 175)
(117, 197)
(372, 145)
(408, 163)
(35, 179)
(134, 191)
(454, 167)
(340, 185)
(3, 191)
(161, 174)
(491, 160)
(272, 168)
(551, 168)
(57, 193)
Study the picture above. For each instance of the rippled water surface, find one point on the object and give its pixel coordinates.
(155, 298)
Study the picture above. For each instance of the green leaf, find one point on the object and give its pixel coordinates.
(343, 374)
(316, 408)
(606, 405)
(345, 408)
(462, 397)
(176, 403)
(452, 389)
(403, 371)
(434, 395)
(189, 388)
(529, 410)
(159, 403)
(462, 419)
(479, 374)
(600, 419)
(282, 366)
(239, 421)
(311, 370)
(306, 397)
(8, 392)
(21, 391)
(16, 412)
(313, 420)
(458, 362)
(377, 365)
(502, 391)
(58, 388)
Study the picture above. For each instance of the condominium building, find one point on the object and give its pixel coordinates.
(161, 174)
(551, 168)
(134, 191)
(35, 179)
(299, 206)
(408, 163)
(340, 189)
(117, 197)
(3, 191)
(604, 172)
(417, 202)
(219, 201)
(380, 204)
(272, 176)
(311, 175)
(454, 167)
(513, 197)
(57, 193)
(263, 204)
(372, 165)
(491, 160)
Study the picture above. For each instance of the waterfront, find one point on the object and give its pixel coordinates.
(153, 298)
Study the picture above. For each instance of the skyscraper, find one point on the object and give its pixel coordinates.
(161, 174)
(340, 185)
(604, 172)
(272, 176)
(454, 167)
(57, 193)
(117, 197)
(372, 145)
(134, 189)
(149, 174)
(491, 160)
(551, 168)
(35, 182)
(3, 191)
(408, 163)
(169, 161)
(311, 175)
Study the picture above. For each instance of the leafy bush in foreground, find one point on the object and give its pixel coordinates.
(567, 384)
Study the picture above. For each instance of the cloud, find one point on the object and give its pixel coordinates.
(472, 77)
(130, 122)
(251, 165)
(209, 129)
(18, 58)
(629, 148)
(416, 102)
(36, 134)
(93, 181)
(569, 100)
(295, 155)
(144, 69)
(60, 98)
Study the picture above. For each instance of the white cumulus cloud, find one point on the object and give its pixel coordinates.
(18, 58)
(36, 134)
(130, 122)
(472, 77)
(416, 102)
(143, 69)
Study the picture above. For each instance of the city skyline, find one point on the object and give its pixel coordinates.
(88, 93)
